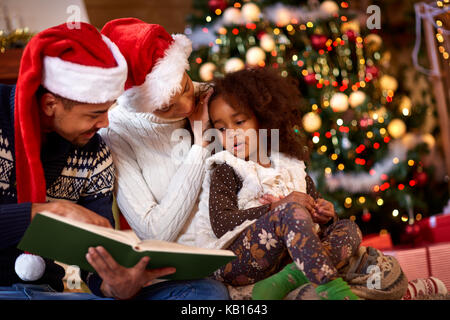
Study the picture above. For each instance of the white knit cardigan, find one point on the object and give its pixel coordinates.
(157, 186)
(284, 176)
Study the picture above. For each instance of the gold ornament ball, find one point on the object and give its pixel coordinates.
(356, 98)
(409, 140)
(311, 122)
(234, 64)
(206, 71)
(376, 114)
(267, 42)
(396, 128)
(386, 59)
(429, 140)
(388, 82)
(351, 25)
(405, 103)
(282, 17)
(339, 102)
(232, 15)
(329, 7)
(254, 56)
(250, 12)
(382, 112)
(373, 41)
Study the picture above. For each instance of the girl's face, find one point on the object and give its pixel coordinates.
(239, 130)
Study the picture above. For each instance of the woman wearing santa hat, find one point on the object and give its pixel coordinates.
(52, 159)
(159, 175)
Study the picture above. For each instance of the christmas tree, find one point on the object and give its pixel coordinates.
(365, 155)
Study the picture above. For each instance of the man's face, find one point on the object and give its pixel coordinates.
(76, 123)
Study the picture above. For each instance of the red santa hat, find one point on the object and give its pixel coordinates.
(156, 62)
(78, 64)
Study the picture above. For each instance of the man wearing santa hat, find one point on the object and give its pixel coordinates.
(52, 159)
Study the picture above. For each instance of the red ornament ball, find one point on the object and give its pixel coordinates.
(310, 79)
(421, 178)
(373, 71)
(260, 34)
(318, 41)
(217, 4)
(351, 35)
(412, 230)
(366, 217)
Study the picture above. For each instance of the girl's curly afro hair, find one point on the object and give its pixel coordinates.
(274, 100)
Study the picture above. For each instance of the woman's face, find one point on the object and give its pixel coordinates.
(182, 104)
(239, 130)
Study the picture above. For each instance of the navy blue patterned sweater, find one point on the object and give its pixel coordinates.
(83, 175)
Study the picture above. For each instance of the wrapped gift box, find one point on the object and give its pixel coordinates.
(378, 241)
(414, 262)
(436, 228)
(440, 262)
(426, 261)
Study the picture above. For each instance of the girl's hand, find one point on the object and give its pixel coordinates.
(299, 197)
(324, 211)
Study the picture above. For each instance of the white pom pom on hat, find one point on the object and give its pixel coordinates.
(29, 267)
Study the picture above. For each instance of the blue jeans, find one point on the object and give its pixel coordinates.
(204, 289)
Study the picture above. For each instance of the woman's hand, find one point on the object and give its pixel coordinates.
(120, 282)
(201, 116)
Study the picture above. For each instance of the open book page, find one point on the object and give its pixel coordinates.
(130, 238)
(163, 246)
(126, 237)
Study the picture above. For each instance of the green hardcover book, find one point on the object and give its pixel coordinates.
(67, 241)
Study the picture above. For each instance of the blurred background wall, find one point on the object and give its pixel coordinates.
(22, 13)
(169, 13)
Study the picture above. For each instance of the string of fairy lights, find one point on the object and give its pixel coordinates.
(439, 31)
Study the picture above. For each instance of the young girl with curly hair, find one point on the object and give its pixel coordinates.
(265, 208)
